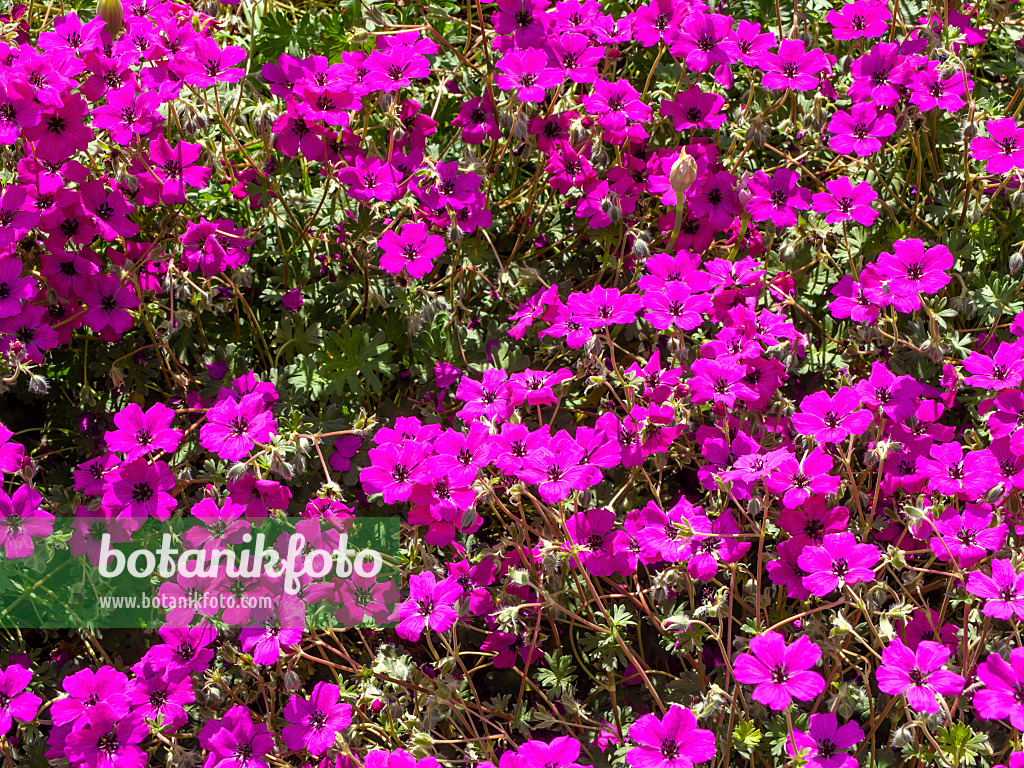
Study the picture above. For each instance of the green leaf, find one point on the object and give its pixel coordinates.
(352, 360)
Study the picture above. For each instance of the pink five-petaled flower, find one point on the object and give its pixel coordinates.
(394, 68)
(911, 270)
(142, 489)
(844, 202)
(235, 741)
(127, 114)
(675, 741)
(616, 104)
(21, 521)
(918, 674)
(861, 18)
(316, 721)
(861, 131)
(1004, 151)
(561, 752)
(832, 419)
(102, 739)
(140, 432)
(414, 250)
(15, 702)
(777, 197)
(527, 73)
(792, 67)
(1001, 697)
(234, 426)
(966, 537)
(431, 604)
(780, 673)
(1003, 590)
(839, 560)
(176, 168)
(798, 480)
(825, 743)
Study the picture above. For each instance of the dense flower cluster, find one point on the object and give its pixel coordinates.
(658, 325)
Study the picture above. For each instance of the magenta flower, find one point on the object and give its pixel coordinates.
(141, 432)
(912, 270)
(22, 521)
(951, 473)
(15, 702)
(840, 560)
(478, 121)
(394, 68)
(694, 109)
(777, 197)
(845, 202)
(413, 250)
(176, 168)
(527, 73)
(966, 538)
(832, 419)
(207, 64)
(102, 739)
(561, 752)
(674, 741)
(235, 741)
(780, 673)
(792, 67)
(16, 217)
(142, 489)
(825, 743)
(722, 381)
(274, 628)
(161, 693)
(1003, 591)
(1002, 149)
(601, 307)
(109, 209)
(878, 75)
(61, 131)
(918, 674)
(11, 454)
(557, 471)
(1002, 371)
(15, 290)
(859, 19)
(597, 545)
(615, 104)
(809, 523)
(705, 40)
(431, 604)
(87, 688)
(183, 648)
(315, 722)
(127, 114)
(390, 472)
(798, 480)
(233, 427)
(930, 90)
(1000, 699)
(860, 131)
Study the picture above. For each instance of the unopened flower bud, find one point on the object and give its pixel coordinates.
(640, 249)
(1016, 262)
(112, 13)
(683, 174)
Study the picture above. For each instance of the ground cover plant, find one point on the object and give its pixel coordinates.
(685, 340)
